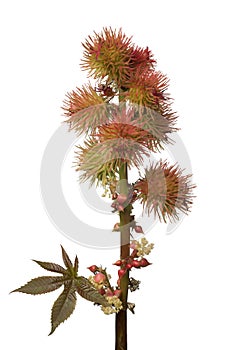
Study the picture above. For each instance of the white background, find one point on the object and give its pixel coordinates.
(185, 299)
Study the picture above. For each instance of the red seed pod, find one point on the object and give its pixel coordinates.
(121, 198)
(118, 263)
(118, 282)
(121, 273)
(136, 264)
(144, 262)
(138, 229)
(99, 277)
(117, 293)
(93, 268)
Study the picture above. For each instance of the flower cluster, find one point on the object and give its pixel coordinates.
(116, 305)
(101, 281)
(143, 247)
(98, 281)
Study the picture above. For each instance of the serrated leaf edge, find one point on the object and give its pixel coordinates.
(45, 265)
(60, 280)
(69, 291)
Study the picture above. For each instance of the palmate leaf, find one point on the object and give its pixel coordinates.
(86, 290)
(41, 285)
(66, 259)
(51, 266)
(63, 306)
(66, 302)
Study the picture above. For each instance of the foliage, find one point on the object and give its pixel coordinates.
(65, 304)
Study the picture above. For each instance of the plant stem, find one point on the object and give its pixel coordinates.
(121, 317)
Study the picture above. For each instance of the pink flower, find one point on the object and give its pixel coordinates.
(99, 277)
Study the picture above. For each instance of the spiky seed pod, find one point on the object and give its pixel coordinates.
(85, 109)
(101, 161)
(148, 88)
(124, 130)
(95, 166)
(107, 55)
(139, 124)
(142, 58)
(165, 191)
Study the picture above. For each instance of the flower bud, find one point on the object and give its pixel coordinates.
(93, 268)
(117, 293)
(121, 273)
(101, 291)
(128, 266)
(138, 229)
(99, 277)
(144, 262)
(136, 264)
(118, 263)
(109, 293)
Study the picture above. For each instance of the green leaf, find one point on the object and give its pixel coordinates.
(51, 266)
(76, 262)
(86, 290)
(63, 307)
(41, 285)
(66, 259)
